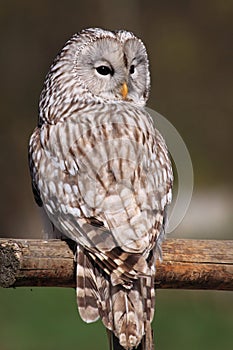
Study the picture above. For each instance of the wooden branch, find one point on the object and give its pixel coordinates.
(187, 264)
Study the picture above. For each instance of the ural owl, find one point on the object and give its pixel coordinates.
(102, 173)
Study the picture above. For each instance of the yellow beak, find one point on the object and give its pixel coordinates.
(124, 91)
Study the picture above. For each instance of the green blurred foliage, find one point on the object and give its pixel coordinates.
(47, 318)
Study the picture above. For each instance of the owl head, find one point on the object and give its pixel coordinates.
(113, 65)
(97, 64)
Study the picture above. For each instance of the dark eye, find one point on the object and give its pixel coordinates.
(132, 69)
(104, 70)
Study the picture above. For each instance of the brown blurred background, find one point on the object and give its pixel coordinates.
(190, 51)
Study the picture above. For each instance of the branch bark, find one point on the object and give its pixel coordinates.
(187, 264)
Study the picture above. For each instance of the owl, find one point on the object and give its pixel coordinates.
(102, 173)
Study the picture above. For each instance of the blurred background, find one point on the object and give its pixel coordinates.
(190, 50)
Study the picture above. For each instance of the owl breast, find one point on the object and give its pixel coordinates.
(102, 176)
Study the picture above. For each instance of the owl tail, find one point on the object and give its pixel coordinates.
(126, 310)
(132, 313)
(146, 342)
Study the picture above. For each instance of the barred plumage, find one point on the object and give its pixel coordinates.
(102, 173)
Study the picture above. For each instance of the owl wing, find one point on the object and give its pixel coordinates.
(102, 170)
(104, 178)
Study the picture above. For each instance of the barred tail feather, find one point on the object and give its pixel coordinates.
(86, 290)
(133, 310)
(132, 323)
(145, 344)
(114, 343)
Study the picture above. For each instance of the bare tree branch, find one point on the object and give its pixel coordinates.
(187, 264)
